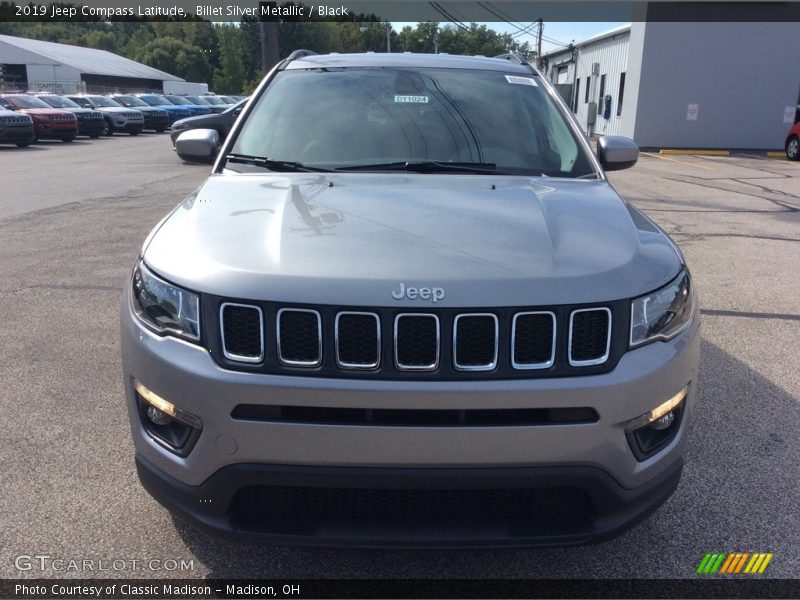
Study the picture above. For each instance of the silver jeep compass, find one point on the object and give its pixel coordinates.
(408, 308)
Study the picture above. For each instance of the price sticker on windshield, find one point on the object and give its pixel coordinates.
(521, 80)
(412, 99)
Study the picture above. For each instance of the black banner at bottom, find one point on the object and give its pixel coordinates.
(141, 589)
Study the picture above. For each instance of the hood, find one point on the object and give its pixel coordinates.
(45, 111)
(116, 109)
(352, 239)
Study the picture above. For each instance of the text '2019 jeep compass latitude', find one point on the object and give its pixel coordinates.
(408, 308)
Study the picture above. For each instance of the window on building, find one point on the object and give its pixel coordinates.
(602, 94)
(621, 92)
(586, 98)
(577, 95)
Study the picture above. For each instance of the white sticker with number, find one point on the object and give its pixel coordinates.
(521, 80)
(412, 99)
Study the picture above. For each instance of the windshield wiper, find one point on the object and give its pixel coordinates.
(429, 166)
(272, 165)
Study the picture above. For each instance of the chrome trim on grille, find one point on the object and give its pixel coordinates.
(346, 365)
(593, 361)
(543, 365)
(435, 364)
(299, 363)
(237, 357)
(486, 367)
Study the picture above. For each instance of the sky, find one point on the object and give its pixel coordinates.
(559, 32)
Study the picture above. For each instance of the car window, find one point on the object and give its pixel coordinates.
(130, 101)
(59, 102)
(386, 115)
(23, 101)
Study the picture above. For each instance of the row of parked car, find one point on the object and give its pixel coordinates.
(28, 117)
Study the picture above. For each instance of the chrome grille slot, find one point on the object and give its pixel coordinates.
(416, 342)
(475, 342)
(589, 336)
(533, 340)
(358, 340)
(242, 331)
(299, 334)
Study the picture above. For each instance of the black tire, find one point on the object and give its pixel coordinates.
(23, 144)
(793, 148)
(161, 130)
(135, 132)
(68, 139)
(108, 129)
(94, 136)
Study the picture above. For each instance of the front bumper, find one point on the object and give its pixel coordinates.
(55, 129)
(588, 466)
(16, 135)
(91, 127)
(128, 126)
(155, 122)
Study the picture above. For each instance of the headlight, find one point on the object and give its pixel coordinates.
(663, 313)
(164, 307)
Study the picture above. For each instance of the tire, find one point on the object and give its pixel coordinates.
(23, 144)
(161, 130)
(793, 148)
(108, 129)
(94, 136)
(135, 132)
(68, 139)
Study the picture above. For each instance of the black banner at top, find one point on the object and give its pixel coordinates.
(464, 11)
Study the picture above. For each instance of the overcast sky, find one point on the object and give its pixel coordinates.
(563, 33)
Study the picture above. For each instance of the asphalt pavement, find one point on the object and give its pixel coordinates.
(72, 219)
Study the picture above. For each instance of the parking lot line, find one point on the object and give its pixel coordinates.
(675, 160)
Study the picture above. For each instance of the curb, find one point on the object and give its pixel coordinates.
(695, 152)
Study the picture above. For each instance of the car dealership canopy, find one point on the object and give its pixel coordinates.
(39, 65)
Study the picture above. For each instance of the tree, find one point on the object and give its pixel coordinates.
(176, 57)
(230, 77)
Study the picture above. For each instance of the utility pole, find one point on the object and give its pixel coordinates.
(388, 37)
(270, 50)
(539, 44)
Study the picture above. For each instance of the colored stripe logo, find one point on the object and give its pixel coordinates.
(734, 563)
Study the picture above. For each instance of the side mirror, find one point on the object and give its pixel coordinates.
(237, 111)
(616, 152)
(198, 145)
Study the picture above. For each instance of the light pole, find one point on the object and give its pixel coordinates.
(388, 35)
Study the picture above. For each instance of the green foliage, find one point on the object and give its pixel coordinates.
(230, 77)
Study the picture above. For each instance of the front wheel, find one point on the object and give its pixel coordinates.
(68, 139)
(793, 148)
(23, 144)
(134, 132)
(108, 128)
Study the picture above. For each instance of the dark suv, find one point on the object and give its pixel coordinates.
(16, 128)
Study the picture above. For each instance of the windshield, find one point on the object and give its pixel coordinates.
(59, 102)
(197, 100)
(385, 116)
(156, 100)
(212, 100)
(130, 101)
(103, 101)
(23, 101)
(178, 100)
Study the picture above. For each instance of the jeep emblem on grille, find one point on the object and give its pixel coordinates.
(423, 293)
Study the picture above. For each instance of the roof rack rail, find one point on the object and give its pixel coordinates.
(300, 54)
(512, 57)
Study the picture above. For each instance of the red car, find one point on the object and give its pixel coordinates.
(48, 122)
(792, 145)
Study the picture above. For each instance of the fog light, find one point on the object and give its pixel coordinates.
(157, 417)
(664, 421)
(659, 411)
(654, 430)
(166, 424)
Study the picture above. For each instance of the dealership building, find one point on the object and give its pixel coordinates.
(732, 85)
(38, 65)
